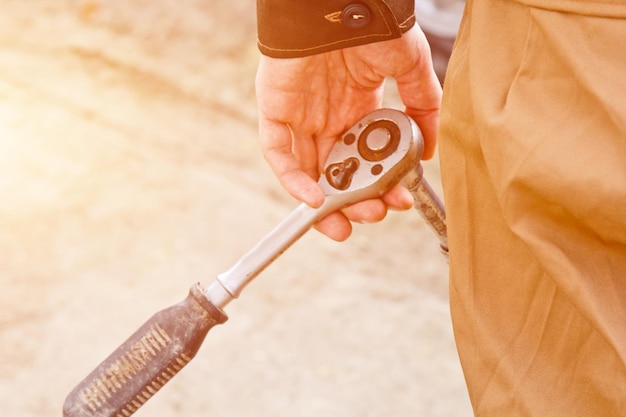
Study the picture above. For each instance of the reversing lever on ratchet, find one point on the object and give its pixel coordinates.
(379, 151)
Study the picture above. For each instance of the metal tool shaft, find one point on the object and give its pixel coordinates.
(428, 205)
(376, 153)
(231, 283)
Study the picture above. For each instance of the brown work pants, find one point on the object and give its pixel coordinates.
(533, 154)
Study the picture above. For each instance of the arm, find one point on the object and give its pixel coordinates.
(306, 100)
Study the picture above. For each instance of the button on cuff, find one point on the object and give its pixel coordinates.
(355, 16)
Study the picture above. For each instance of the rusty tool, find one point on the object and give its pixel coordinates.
(428, 205)
(380, 150)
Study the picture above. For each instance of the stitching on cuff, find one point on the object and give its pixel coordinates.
(376, 35)
(334, 17)
(379, 35)
(407, 22)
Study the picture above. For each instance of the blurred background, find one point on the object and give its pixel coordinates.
(129, 170)
(440, 20)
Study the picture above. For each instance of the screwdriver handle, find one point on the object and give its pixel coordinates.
(146, 361)
(372, 156)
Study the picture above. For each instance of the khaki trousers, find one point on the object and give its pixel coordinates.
(533, 154)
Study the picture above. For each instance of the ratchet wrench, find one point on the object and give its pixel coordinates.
(379, 151)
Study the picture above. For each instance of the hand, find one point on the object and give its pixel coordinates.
(305, 104)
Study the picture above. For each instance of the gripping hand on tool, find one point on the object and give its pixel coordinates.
(378, 152)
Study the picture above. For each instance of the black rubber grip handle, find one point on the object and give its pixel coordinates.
(146, 361)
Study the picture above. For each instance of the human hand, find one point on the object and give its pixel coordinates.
(305, 104)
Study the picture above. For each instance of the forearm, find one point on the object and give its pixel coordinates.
(296, 28)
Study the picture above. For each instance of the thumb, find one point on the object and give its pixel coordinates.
(420, 91)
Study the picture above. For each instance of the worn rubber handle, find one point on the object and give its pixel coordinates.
(146, 361)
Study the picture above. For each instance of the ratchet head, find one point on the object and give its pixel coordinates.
(369, 158)
(373, 155)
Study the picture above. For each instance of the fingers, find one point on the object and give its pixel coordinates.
(428, 122)
(276, 144)
(337, 226)
(398, 198)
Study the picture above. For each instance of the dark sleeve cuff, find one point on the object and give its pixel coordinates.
(296, 28)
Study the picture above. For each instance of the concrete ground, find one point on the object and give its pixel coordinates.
(129, 170)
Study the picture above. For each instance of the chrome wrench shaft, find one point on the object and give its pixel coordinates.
(378, 152)
(372, 156)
